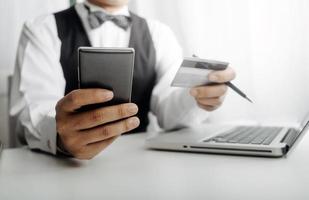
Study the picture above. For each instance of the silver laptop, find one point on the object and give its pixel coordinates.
(270, 141)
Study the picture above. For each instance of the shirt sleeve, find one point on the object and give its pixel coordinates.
(173, 107)
(38, 83)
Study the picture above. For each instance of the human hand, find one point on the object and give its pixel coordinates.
(210, 97)
(85, 134)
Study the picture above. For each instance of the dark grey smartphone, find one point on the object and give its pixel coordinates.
(108, 68)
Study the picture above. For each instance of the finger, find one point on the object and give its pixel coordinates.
(210, 91)
(104, 115)
(89, 151)
(210, 101)
(81, 97)
(108, 131)
(222, 76)
(208, 108)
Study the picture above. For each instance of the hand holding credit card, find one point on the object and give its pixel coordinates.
(194, 72)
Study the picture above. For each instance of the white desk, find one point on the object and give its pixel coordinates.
(127, 171)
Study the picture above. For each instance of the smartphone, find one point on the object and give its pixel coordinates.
(107, 68)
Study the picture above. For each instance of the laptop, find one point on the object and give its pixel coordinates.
(268, 141)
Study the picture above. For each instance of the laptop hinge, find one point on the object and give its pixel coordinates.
(292, 135)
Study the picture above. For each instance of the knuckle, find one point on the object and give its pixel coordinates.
(202, 92)
(70, 143)
(121, 110)
(77, 124)
(97, 116)
(61, 121)
(60, 127)
(126, 125)
(73, 98)
(131, 123)
(105, 132)
(220, 78)
(58, 106)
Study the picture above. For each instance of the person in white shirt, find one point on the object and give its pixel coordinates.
(45, 96)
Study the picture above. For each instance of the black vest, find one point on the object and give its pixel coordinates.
(73, 35)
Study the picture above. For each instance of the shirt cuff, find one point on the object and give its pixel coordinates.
(191, 114)
(48, 133)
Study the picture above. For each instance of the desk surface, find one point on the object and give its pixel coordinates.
(126, 170)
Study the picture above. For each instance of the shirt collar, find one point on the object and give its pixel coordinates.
(122, 11)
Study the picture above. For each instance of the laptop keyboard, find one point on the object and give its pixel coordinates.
(248, 135)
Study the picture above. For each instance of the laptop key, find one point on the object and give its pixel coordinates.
(219, 137)
(251, 137)
(225, 133)
(226, 137)
(239, 133)
(260, 138)
(234, 133)
(244, 134)
(271, 137)
(247, 135)
(229, 135)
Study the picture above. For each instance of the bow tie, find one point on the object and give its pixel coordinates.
(97, 18)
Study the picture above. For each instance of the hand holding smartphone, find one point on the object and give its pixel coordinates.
(107, 68)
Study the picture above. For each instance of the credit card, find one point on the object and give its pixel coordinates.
(194, 72)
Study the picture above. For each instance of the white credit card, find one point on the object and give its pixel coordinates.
(194, 72)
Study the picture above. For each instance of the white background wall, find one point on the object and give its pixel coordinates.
(266, 41)
(13, 13)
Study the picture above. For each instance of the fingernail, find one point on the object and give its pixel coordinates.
(132, 109)
(213, 77)
(193, 92)
(108, 95)
(134, 122)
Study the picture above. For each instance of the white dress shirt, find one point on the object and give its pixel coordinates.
(38, 82)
